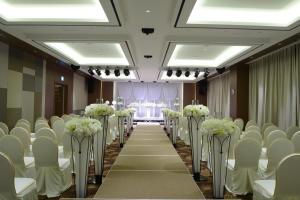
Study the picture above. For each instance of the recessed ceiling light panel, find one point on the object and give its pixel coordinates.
(275, 13)
(52, 11)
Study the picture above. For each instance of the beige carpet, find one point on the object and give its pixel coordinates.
(148, 167)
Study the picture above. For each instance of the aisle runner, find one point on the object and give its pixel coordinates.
(149, 167)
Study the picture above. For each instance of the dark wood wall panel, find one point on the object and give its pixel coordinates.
(188, 93)
(53, 73)
(95, 92)
(108, 91)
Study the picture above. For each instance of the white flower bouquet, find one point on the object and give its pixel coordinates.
(131, 110)
(82, 127)
(219, 127)
(97, 110)
(173, 114)
(122, 113)
(166, 111)
(195, 111)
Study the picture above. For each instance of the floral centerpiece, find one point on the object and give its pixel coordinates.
(195, 111)
(96, 110)
(219, 132)
(100, 112)
(122, 113)
(173, 114)
(81, 131)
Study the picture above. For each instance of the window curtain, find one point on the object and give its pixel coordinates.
(218, 96)
(274, 88)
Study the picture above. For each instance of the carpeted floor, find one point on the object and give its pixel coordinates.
(112, 152)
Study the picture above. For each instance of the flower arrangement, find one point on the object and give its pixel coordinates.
(82, 127)
(166, 111)
(173, 114)
(131, 110)
(219, 127)
(97, 110)
(122, 113)
(195, 111)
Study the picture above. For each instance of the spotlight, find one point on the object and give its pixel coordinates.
(98, 72)
(178, 72)
(196, 73)
(187, 73)
(169, 73)
(75, 67)
(117, 72)
(206, 73)
(126, 72)
(90, 71)
(107, 72)
(221, 70)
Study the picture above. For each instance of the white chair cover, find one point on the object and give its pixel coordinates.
(24, 125)
(12, 188)
(24, 121)
(234, 140)
(287, 182)
(66, 118)
(254, 135)
(250, 123)
(59, 128)
(53, 119)
(242, 171)
(291, 131)
(265, 126)
(277, 150)
(4, 127)
(39, 126)
(296, 141)
(240, 123)
(53, 174)
(269, 130)
(47, 132)
(1, 133)
(253, 128)
(13, 148)
(273, 136)
(24, 137)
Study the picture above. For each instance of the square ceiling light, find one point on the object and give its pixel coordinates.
(52, 11)
(122, 76)
(91, 53)
(277, 13)
(191, 77)
(203, 55)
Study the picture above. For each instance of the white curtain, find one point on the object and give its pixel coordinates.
(218, 96)
(274, 88)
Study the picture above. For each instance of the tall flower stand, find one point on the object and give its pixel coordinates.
(174, 134)
(81, 151)
(165, 121)
(219, 149)
(168, 126)
(196, 138)
(121, 120)
(131, 121)
(99, 148)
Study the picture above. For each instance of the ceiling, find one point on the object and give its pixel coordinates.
(107, 33)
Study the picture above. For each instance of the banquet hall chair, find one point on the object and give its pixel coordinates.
(296, 141)
(12, 188)
(53, 119)
(14, 149)
(240, 123)
(291, 131)
(250, 123)
(59, 128)
(253, 128)
(286, 184)
(242, 170)
(40, 126)
(276, 151)
(4, 127)
(53, 173)
(273, 136)
(24, 121)
(1, 133)
(265, 126)
(46, 132)
(269, 130)
(66, 118)
(24, 137)
(253, 135)
(24, 125)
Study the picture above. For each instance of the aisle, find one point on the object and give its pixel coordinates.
(149, 167)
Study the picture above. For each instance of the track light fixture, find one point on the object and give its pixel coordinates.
(178, 72)
(187, 73)
(206, 73)
(107, 72)
(221, 70)
(126, 72)
(90, 71)
(169, 73)
(75, 67)
(196, 73)
(117, 72)
(98, 72)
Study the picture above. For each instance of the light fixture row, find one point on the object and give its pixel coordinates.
(117, 72)
(187, 73)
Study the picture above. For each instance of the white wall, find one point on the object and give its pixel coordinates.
(80, 93)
